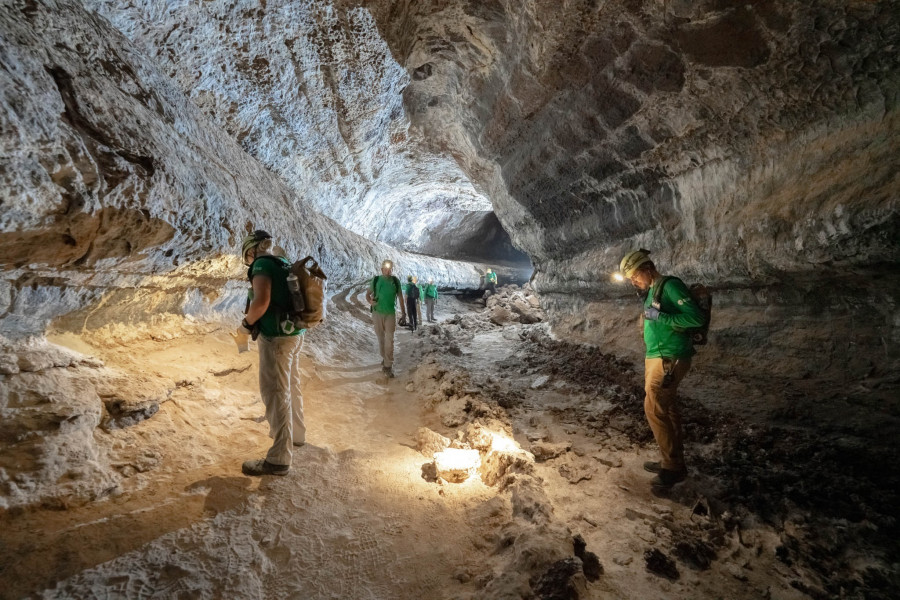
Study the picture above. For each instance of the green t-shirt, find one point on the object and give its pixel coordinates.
(678, 311)
(385, 291)
(277, 269)
(431, 291)
(492, 277)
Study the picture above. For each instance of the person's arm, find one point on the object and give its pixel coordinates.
(262, 295)
(402, 302)
(688, 314)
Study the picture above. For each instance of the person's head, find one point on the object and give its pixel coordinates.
(489, 271)
(430, 281)
(637, 267)
(387, 267)
(255, 244)
(415, 279)
(409, 278)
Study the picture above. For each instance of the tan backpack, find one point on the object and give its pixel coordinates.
(307, 293)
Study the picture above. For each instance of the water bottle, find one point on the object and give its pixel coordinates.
(297, 301)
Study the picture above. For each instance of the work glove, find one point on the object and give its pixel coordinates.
(651, 314)
(241, 337)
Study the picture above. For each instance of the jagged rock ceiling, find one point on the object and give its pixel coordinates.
(746, 144)
(312, 91)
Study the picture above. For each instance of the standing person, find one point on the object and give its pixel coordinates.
(490, 281)
(668, 360)
(412, 302)
(431, 295)
(382, 294)
(279, 353)
(421, 295)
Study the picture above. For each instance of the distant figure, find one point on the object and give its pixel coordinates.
(382, 295)
(421, 295)
(412, 302)
(490, 281)
(279, 353)
(431, 295)
(668, 360)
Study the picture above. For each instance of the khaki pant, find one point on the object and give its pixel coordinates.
(279, 386)
(384, 331)
(429, 308)
(662, 410)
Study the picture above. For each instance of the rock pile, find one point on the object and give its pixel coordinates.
(512, 304)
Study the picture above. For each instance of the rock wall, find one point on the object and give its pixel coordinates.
(753, 147)
(120, 200)
(311, 90)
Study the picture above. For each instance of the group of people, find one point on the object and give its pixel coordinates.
(416, 294)
(666, 318)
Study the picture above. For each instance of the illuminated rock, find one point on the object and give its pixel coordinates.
(456, 464)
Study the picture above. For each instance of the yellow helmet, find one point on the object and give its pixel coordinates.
(633, 260)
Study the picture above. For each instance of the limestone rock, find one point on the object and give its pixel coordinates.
(428, 442)
(544, 451)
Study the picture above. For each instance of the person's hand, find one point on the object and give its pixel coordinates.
(244, 328)
(241, 338)
(651, 314)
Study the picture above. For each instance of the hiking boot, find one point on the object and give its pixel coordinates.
(651, 466)
(255, 468)
(666, 478)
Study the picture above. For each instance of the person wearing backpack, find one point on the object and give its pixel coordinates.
(431, 295)
(279, 341)
(412, 302)
(669, 310)
(382, 294)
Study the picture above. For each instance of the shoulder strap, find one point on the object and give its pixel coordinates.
(657, 293)
(250, 268)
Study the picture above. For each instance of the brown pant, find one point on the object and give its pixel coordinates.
(662, 410)
(385, 325)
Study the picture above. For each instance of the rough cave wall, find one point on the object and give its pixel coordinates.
(752, 146)
(311, 90)
(120, 200)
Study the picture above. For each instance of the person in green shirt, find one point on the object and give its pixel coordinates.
(431, 295)
(667, 360)
(490, 281)
(279, 353)
(383, 292)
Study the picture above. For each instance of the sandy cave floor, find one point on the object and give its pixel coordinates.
(356, 518)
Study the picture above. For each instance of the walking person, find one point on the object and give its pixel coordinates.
(490, 281)
(279, 343)
(412, 302)
(668, 360)
(431, 295)
(382, 295)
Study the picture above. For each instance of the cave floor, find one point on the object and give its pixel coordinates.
(357, 517)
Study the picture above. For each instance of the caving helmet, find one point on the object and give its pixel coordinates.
(387, 264)
(632, 261)
(252, 241)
